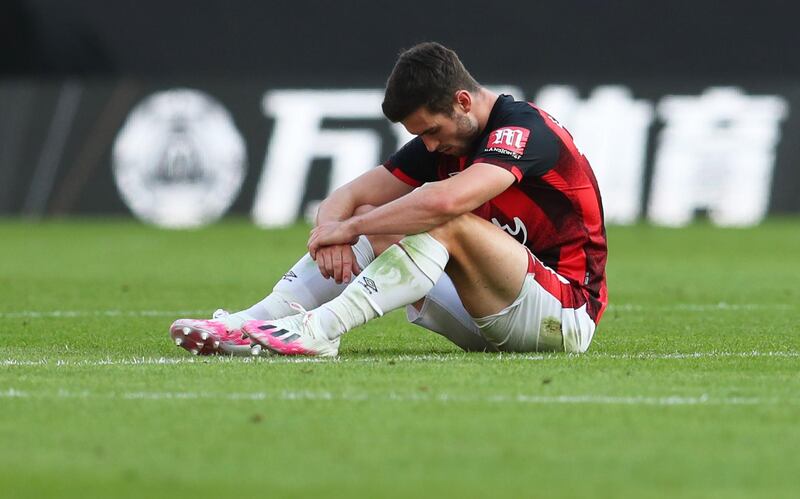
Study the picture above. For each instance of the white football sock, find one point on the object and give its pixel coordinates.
(442, 312)
(304, 284)
(402, 274)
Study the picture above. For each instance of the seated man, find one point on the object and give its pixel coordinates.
(488, 226)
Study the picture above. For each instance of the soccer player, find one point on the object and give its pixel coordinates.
(488, 226)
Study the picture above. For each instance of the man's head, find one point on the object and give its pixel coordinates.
(432, 95)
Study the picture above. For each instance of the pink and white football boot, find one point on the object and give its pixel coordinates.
(297, 334)
(220, 335)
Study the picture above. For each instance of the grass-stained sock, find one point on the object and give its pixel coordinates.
(402, 274)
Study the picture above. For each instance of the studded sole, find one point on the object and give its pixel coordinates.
(199, 341)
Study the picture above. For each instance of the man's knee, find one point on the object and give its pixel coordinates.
(455, 227)
(455, 233)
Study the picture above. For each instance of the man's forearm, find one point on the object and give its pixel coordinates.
(336, 207)
(374, 188)
(416, 212)
(434, 203)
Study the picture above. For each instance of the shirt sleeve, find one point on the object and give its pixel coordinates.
(523, 145)
(413, 163)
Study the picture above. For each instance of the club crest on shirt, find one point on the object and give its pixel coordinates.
(509, 140)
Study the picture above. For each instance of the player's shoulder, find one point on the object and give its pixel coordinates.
(511, 112)
(415, 148)
(519, 122)
(518, 137)
(413, 157)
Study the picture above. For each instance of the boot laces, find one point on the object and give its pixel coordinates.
(306, 318)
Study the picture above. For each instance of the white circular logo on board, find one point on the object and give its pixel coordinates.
(179, 160)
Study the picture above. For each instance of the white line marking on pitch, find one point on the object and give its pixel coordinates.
(150, 361)
(629, 307)
(672, 400)
(695, 307)
(69, 314)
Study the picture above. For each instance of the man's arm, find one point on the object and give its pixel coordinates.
(375, 187)
(421, 210)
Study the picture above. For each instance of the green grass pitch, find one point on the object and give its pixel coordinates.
(690, 389)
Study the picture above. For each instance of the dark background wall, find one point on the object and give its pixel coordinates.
(355, 41)
(120, 51)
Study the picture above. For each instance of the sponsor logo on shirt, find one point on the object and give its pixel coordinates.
(509, 140)
(518, 230)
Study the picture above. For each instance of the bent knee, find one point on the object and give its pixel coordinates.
(457, 226)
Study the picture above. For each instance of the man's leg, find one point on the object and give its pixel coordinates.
(303, 284)
(490, 271)
(549, 315)
(402, 275)
(442, 312)
(516, 310)
(487, 266)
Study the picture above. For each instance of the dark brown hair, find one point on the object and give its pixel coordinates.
(428, 74)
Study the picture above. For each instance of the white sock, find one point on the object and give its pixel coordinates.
(304, 284)
(402, 274)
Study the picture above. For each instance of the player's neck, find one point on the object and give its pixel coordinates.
(483, 107)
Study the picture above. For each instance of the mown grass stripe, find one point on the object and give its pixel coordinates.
(442, 397)
(396, 358)
(624, 307)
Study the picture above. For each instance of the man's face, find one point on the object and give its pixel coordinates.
(450, 135)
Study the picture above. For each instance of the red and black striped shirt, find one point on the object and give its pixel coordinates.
(553, 207)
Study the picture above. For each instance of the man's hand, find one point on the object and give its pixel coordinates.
(337, 262)
(329, 234)
(330, 245)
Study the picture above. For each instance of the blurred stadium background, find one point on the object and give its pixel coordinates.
(123, 122)
(181, 112)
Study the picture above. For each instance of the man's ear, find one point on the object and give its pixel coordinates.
(463, 101)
